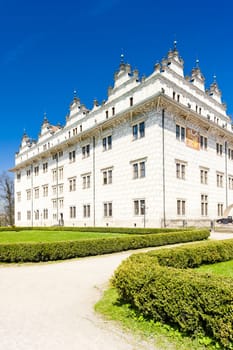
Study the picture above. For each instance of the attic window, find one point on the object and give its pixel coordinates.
(178, 98)
(81, 128)
(106, 114)
(173, 95)
(131, 101)
(113, 110)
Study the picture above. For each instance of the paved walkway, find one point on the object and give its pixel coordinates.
(50, 306)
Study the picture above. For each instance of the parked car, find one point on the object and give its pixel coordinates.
(227, 220)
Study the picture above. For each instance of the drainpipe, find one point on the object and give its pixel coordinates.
(93, 166)
(226, 172)
(164, 185)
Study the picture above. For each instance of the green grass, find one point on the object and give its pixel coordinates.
(50, 236)
(223, 268)
(163, 337)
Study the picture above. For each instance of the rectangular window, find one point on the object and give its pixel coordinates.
(204, 205)
(28, 215)
(138, 130)
(36, 170)
(204, 176)
(72, 184)
(45, 167)
(28, 194)
(36, 192)
(219, 179)
(131, 101)
(108, 209)
(230, 182)
(86, 181)
(54, 201)
(219, 148)
(45, 214)
(19, 215)
(18, 176)
(28, 173)
(139, 206)
(139, 169)
(61, 203)
(180, 133)
(107, 143)
(73, 212)
(18, 196)
(203, 142)
(61, 189)
(107, 176)
(54, 172)
(72, 156)
(220, 209)
(60, 173)
(86, 151)
(37, 214)
(86, 210)
(180, 170)
(181, 206)
(45, 191)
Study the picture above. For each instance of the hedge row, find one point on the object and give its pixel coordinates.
(128, 230)
(195, 302)
(192, 256)
(34, 252)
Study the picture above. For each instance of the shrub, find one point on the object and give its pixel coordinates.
(195, 302)
(70, 249)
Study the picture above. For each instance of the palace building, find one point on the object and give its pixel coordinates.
(158, 152)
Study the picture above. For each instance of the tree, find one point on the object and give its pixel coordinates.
(7, 198)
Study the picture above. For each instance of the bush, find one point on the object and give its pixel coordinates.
(70, 249)
(195, 302)
(128, 230)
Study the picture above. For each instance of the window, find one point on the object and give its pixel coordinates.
(36, 170)
(86, 151)
(107, 176)
(230, 153)
(36, 192)
(107, 143)
(45, 167)
(19, 215)
(131, 101)
(180, 205)
(37, 214)
(180, 133)
(45, 214)
(138, 130)
(72, 212)
(72, 156)
(18, 196)
(139, 169)
(203, 142)
(54, 201)
(28, 215)
(106, 114)
(54, 172)
(72, 184)
(204, 205)
(28, 194)
(61, 203)
(204, 176)
(86, 181)
(45, 191)
(28, 173)
(60, 173)
(230, 182)
(219, 178)
(86, 210)
(54, 190)
(108, 209)
(139, 206)
(180, 170)
(219, 149)
(75, 131)
(220, 209)
(18, 176)
(61, 189)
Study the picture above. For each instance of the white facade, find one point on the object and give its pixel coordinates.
(158, 152)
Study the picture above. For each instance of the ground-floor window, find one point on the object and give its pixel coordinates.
(204, 204)
(181, 207)
(108, 209)
(220, 209)
(139, 206)
(72, 212)
(28, 215)
(86, 210)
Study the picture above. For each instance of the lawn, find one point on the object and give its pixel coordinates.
(223, 268)
(51, 236)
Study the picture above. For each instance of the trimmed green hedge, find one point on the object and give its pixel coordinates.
(106, 229)
(192, 256)
(195, 302)
(34, 252)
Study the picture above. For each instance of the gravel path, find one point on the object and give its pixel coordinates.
(50, 306)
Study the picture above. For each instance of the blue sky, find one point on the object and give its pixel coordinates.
(49, 48)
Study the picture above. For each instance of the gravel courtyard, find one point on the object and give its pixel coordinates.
(50, 306)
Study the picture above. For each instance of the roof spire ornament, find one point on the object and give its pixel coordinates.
(175, 44)
(197, 63)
